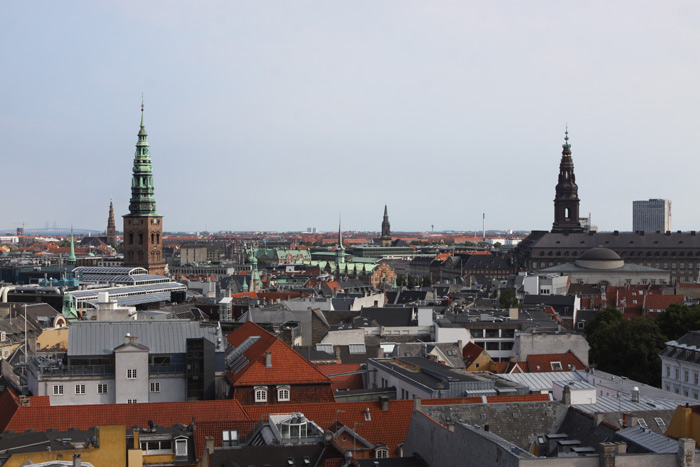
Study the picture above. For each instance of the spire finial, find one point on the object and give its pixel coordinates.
(141, 102)
(566, 145)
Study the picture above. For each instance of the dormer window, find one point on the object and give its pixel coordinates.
(381, 452)
(229, 438)
(181, 447)
(261, 394)
(556, 366)
(283, 393)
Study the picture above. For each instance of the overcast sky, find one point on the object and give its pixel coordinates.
(267, 115)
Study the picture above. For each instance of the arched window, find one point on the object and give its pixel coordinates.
(153, 238)
(131, 238)
(157, 238)
(140, 238)
(566, 213)
(283, 394)
(260, 394)
(381, 452)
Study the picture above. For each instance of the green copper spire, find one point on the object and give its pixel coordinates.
(143, 202)
(71, 256)
(245, 285)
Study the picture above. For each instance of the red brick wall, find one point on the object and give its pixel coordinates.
(317, 392)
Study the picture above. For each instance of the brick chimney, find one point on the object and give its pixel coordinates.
(384, 402)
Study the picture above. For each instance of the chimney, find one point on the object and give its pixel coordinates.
(268, 359)
(129, 339)
(567, 395)
(209, 444)
(635, 394)
(686, 452)
(607, 454)
(77, 462)
(597, 418)
(384, 402)
(621, 447)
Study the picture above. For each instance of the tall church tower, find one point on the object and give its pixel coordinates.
(566, 201)
(143, 228)
(111, 226)
(386, 229)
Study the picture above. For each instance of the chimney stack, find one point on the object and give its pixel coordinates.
(384, 402)
(635, 394)
(77, 461)
(268, 359)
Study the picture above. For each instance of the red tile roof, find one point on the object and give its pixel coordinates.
(540, 363)
(471, 352)
(389, 427)
(489, 399)
(340, 380)
(288, 367)
(40, 417)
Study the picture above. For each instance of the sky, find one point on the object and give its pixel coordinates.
(281, 115)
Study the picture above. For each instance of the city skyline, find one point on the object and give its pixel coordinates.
(277, 117)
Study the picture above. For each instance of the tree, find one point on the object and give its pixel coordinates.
(508, 299)
(411, 282)
(400, 280)
(497, 245)
(625, 347)
(427, 282)
(678, 320)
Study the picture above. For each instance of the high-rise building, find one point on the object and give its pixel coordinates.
(566, 200)
(143, 228)
(386, 229)
(652, 215)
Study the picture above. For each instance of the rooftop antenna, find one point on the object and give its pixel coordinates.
(483, 224)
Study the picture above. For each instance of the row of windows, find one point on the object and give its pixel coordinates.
(283, 394)
(631, 254)
(155, 238)
(101, 389)
(686, 375)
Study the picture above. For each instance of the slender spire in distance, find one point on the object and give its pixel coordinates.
(71, 256)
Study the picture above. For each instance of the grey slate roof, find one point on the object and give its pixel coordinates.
(538, 382)
(517, 422)
(647, 440)
(622, 240)
(161, 337)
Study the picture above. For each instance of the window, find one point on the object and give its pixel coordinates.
(180, 447)
(155, 387)
(668, 371)
(131, 373)
(58, 390)
(260, 394)
(80, 389)
(660, 422)
(685, 375)
(556, 366)
(641, 422)
(381, 453)
(357, 348)
(131, 401)
(101, 389)
(230, 438)
(283, 393)
(695, 378)
(157, 447)
(678, 375)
